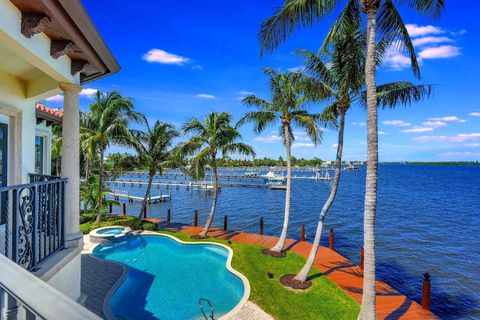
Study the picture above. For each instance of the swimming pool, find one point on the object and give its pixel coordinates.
(115, 230)
(167, 278)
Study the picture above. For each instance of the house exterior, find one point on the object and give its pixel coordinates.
(47, 47)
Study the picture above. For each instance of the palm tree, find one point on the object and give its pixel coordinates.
(107, 122)
(215, 134)
(154, 149)
(340, 77)
(287, 106)
(296, 13)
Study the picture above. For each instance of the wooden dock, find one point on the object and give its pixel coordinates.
(391, 304)
(130, 198)
(189, 185)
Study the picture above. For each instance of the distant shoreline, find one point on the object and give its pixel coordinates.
(438, 163)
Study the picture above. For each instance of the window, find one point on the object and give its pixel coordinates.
(39, 154)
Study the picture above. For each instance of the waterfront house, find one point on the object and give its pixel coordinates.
(47, 47)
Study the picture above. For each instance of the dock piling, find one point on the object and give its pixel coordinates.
(225, 223)
(361, 258)
(124, 209)
(145, 211)
(302, 232)
(426, 292)
(195, 218)
(168, 215)
(110, 209)
(260, 232)
(332, 240)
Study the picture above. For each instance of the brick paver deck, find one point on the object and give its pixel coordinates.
(98, 278)
(391, 304)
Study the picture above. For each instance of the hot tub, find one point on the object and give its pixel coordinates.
(112, 234)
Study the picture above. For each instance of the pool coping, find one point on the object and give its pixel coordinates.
(246, 294)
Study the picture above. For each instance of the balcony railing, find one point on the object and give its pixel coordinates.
(34, 227)
(41, 177)
(26, 297)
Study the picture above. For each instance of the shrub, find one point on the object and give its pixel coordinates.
(127, 221)
(87, 217)
(149, 226)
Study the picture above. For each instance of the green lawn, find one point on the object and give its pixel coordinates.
(324, 300)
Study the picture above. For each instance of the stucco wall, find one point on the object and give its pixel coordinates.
(67, 279)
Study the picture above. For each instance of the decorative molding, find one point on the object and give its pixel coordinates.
(33, 23)
(69, 87)
(60, 48)
(78, 66)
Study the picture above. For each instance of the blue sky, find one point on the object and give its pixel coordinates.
(185, 59)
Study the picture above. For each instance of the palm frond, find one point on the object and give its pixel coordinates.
(260, 119)
(293, 15)
(404, 93)
(392, 28)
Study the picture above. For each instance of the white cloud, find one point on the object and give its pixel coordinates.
(303, 145)
(197, 67)
(441, 52)
(382, 133)
(448, 119)
(270, 139)
(417, 130)
(461, 137)
(56, 98)
(474, 114)
(473, 145)
(359, 124)
(164, 57)
(431, 40)
(415, 30)
(88, 92)
(245, 93)
(434, 124)
(395, 59)
(335, 145)
(296, 69)
(460, 154)
(205, 96)
(396, 123)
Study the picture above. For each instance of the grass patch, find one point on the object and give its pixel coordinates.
(324, 300)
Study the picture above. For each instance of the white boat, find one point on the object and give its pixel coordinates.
(272, 177)
(276, 185)
(351, 167)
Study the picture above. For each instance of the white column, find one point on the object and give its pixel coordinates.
(71, 163)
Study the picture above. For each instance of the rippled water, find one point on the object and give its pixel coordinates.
(428, 220)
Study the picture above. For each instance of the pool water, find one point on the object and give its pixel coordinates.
(166, 279)
(111, 231)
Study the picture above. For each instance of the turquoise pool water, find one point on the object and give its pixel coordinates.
(166, 279)
(111, 231)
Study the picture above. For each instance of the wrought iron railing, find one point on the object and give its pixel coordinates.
(34, 177)
(34, 227)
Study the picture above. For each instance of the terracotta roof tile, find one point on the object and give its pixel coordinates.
(51, 111)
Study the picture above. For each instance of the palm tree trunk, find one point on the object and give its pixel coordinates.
(214, 202)
(283, 236)
(100, 186)
(147, 195)
(303, 274)
(367, 310)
